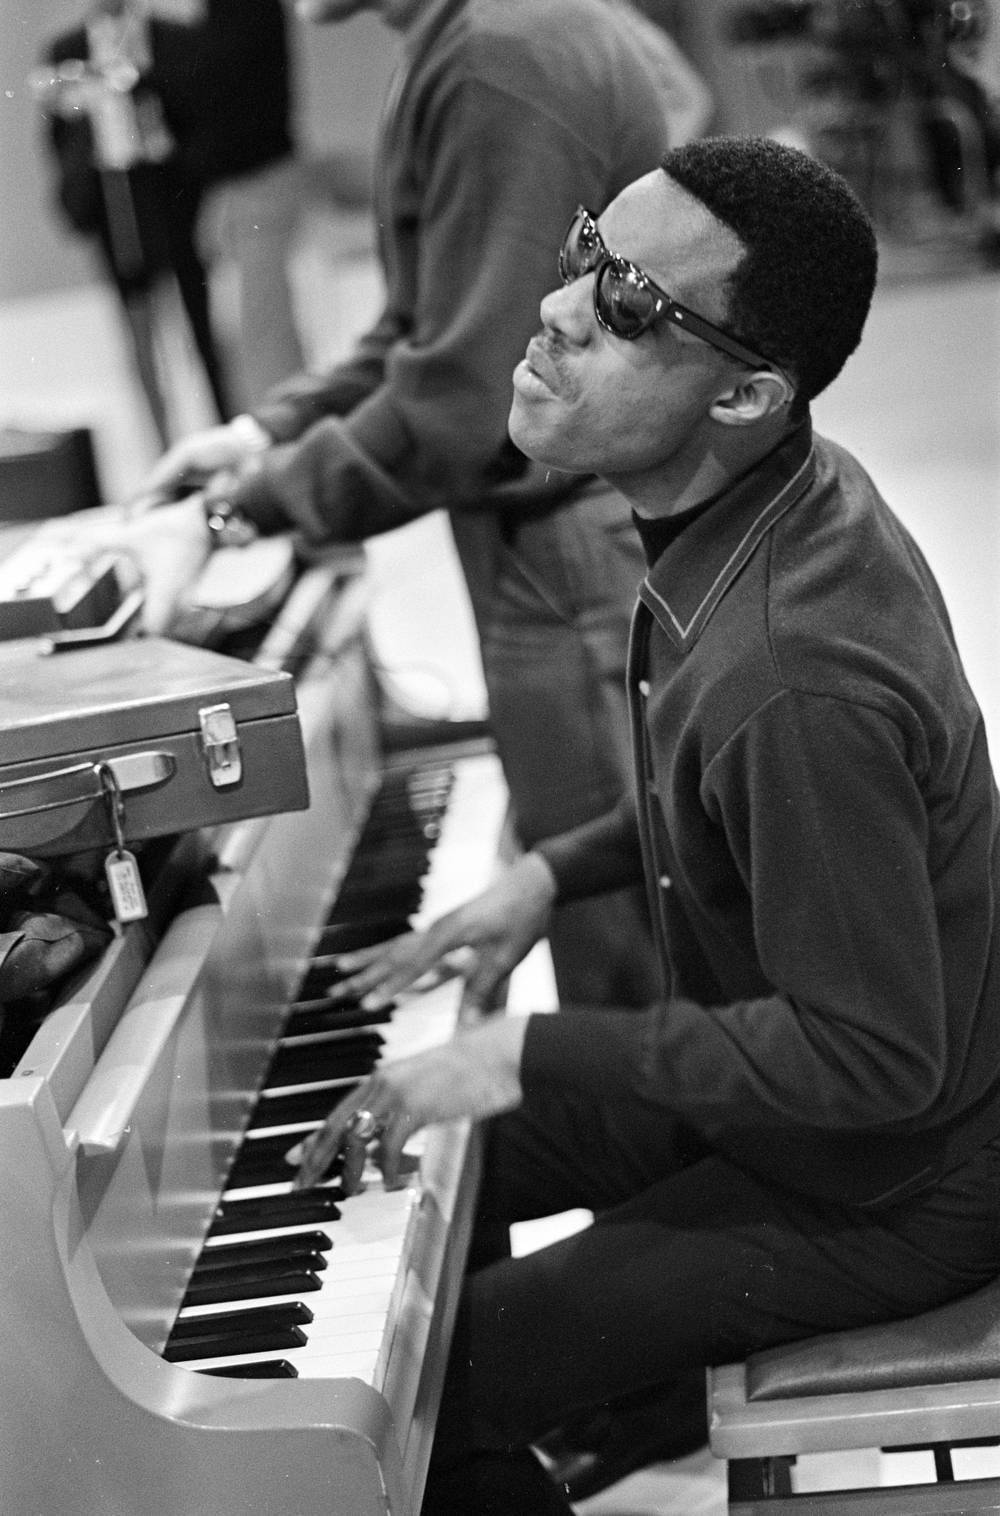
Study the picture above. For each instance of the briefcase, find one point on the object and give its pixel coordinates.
(125, 741)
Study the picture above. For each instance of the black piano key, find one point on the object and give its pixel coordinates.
(300, 1066)
(261, 1160)
(391, 859)
(268, 1213)
(305, 1106)
(238, 1285)
(264, 1250)
(257, 1329)
(313, 1062)
(382, 844)
(323, 968)
(406, 805)
(318, 982)
(383, 921)
(348, 936)
(235, 1269)
(268, 1368)
(361, 1040)
(262, 1341)
(308, 1017)
(401, 897)
(249, 1319)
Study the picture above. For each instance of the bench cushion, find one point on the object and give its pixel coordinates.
(955, 1342)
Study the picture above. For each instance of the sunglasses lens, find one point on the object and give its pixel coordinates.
(581, 249)
(624, 303)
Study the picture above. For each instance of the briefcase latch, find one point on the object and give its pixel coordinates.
(220, 742)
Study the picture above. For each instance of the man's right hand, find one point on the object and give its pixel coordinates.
(194, 460)
(492, 932)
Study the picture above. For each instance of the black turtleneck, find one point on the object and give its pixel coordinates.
(659, 532)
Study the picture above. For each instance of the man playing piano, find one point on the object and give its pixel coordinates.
(499, 115)
(801, 1135)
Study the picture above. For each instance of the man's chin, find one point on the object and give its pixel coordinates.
(532, 439)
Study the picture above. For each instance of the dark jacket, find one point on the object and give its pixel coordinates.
(818, 823)
(234, 95)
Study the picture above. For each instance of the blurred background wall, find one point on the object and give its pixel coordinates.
(341, 73)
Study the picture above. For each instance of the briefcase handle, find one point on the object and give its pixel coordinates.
(37, 810)
(109, 631)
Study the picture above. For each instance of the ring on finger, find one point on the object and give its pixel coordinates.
(364, 1126)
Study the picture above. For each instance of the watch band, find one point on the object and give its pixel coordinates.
(227, 526)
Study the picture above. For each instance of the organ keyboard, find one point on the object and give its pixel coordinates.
(141, 1140)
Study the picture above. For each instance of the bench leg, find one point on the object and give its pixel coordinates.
(757, 1486)
(752, 1479)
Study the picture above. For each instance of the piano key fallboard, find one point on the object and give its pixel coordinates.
(183, 1335)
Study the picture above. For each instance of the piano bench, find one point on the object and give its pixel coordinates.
(931, 1382)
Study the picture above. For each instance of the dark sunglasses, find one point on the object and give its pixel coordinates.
(626, 301)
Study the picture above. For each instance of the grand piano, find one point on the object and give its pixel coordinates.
(181, 1336)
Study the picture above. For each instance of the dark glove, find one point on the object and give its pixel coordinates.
(48, 931)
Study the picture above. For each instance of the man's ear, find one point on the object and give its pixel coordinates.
(756, 397)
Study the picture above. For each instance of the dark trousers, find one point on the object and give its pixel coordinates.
(690, 1262)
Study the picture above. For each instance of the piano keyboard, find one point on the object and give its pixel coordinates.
(306, 1284)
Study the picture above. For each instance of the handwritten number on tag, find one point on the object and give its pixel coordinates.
(128, 898)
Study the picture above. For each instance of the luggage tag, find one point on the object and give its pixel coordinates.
(128, 898)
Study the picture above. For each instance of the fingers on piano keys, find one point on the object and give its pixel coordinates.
(261, 1291)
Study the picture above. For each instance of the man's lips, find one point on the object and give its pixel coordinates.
(540, 366)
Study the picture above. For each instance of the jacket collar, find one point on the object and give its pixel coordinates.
(686, 583)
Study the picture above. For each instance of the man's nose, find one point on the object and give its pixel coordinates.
(569, 309)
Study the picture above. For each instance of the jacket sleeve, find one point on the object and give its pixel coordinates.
(292, 406)
(432, 430)
(822, 814)
(599, 855)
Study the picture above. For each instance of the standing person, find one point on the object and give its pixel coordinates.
(502, 113)
(801, 1135)
(240, 145)
(114, 91)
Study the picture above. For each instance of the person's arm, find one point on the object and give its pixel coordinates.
(294, 405)
(849, 1029)
(597, 856)
(478, 1073)
(434, 431)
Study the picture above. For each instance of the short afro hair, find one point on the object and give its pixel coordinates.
(802, 291)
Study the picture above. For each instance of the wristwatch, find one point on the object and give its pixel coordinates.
(227, 525)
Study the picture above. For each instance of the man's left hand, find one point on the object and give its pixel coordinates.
(475, 1075)
(169, 546)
